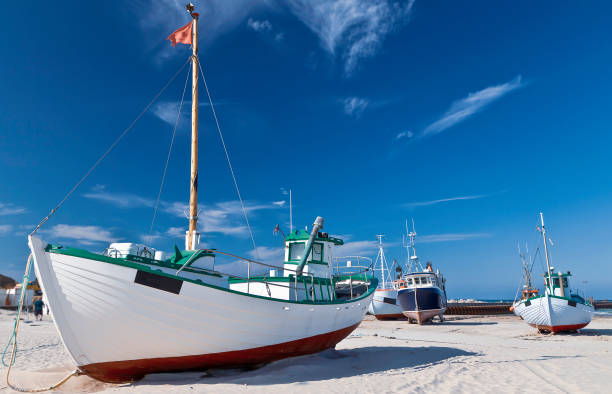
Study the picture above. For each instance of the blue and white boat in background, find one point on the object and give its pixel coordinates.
(423, 293)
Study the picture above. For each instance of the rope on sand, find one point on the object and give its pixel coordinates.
(13, 339)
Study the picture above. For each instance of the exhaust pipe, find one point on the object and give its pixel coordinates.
(317, 225)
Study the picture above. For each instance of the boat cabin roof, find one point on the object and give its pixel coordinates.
(425, 273)
(556, 274)
(303, 235)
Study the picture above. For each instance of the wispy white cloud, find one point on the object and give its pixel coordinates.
(217, 17)
(123, 200)
(10, 209)
(280, 203)
(167, 111)
(84, 234)
(258, 25)
(354, 106)
(224, 217)
(357, 248)
(284, 191)
(269, 255)
(227, 217)
(176, 232)
(265, 27)
(352, 29)
(451, 237)
(150, 238)
(361, 248)
(462, 109)
(449, 199)
(355, 28)
(404, 134)
(5, 229)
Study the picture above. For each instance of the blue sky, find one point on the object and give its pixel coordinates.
(469, 117)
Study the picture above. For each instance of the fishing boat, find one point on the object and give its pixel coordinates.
(559, 308)
(128, 312)
(528, 290)
(384, 305)
(422, 295)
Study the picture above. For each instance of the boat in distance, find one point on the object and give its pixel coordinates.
(559, 308)
(384, 305)
(422, 293)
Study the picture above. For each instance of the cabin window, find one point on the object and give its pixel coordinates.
(409, 282)
(296, 251)
(564, 282)
(317, 252)
(555, 282)
(417, 280)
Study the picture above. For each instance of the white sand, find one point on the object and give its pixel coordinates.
(464, 354)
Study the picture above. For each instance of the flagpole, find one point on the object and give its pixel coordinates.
(193, 195)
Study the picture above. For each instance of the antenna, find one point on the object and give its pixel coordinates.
(290, 213)
(384, 270)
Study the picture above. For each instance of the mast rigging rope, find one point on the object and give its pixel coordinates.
(146, 108)
(161, 186)
(229, 163)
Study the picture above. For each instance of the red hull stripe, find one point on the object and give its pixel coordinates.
(131, 370)
(389, 316)
(569, 327)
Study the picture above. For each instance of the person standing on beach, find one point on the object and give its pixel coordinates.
(38, 308)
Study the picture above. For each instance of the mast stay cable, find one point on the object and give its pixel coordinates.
(74, 188)
(229, 163)
(161, 186)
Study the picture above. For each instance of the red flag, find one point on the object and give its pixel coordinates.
(183, 35)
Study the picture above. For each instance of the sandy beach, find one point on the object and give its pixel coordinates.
(464, 354)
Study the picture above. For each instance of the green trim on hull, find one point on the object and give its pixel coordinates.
(133, 261)
(556, 296)
(145, 267)
(290, 278)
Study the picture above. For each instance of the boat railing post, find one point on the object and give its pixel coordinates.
(312, 289)
(249, 277)
(351, 285)
(295, 287)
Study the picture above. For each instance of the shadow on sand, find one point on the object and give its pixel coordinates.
(596, 332)
(330, 364)
(468, 323)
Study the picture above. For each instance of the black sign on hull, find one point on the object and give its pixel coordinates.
(159, 282)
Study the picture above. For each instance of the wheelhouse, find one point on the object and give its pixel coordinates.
(420, 279)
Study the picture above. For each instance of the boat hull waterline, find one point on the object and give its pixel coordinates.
(553, 313)
(117, 330)
(384, 305)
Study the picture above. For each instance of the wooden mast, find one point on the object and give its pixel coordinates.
(193, 192)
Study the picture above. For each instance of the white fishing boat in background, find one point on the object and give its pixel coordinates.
(422, 295)
(528, 290)
(128, 312)
(384, 305)
(558, 309)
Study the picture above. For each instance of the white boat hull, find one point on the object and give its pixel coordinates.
(384, 305)
(553, 314)
(117, 330)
